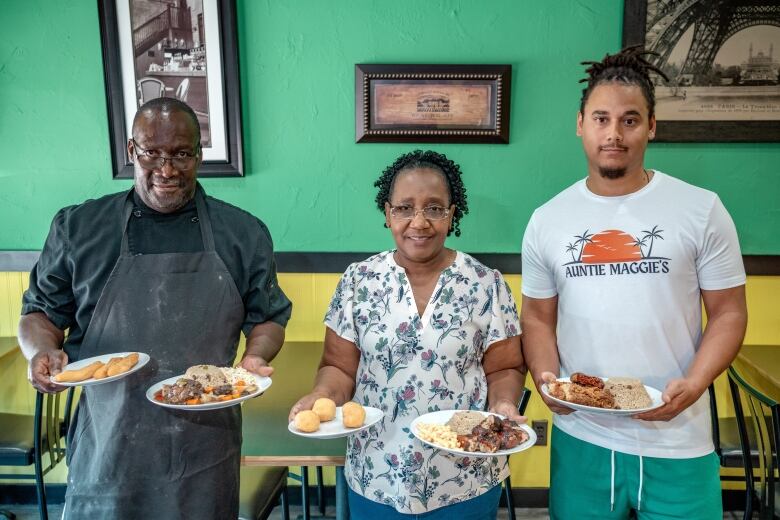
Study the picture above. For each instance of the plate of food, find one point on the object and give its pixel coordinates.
(97, 370)
(207, 387)
(327, 421)
(612, 395)
(470, 433)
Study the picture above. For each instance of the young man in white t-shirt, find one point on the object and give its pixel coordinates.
(614, 271)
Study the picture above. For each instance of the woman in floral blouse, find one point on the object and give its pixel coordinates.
(418, 329)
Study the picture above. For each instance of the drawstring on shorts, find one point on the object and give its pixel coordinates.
(612, 483)
(639, 494)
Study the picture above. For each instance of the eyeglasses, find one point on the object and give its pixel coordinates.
(153, 159)
(404, 212)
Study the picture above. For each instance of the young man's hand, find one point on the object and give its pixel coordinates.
(549, 377)
(678, 395)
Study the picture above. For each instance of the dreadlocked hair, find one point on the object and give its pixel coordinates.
(628, 66)
(426, 159)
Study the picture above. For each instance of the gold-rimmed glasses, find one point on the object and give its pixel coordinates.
(406, 212)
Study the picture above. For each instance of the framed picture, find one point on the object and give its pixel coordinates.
(723, 67)
(183, 49)
(432, 103)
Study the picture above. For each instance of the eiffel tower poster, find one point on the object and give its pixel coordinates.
(722, 58)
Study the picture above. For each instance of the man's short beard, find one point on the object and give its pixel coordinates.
(612, 173)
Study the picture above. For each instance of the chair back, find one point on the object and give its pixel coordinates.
(524, 398)
(50, 429)
(714, 420)
(760, 413)
(183, 89)
(150, 88)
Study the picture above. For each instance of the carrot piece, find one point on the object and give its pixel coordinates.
(194, 400)
(225, 397)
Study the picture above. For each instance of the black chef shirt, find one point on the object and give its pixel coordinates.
(84, 244)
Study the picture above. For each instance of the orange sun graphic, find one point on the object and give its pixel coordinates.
(611, 246)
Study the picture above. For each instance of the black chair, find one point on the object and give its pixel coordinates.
(760, 413)
(510, 502)
(25, 440)
(725, 437)
(262, 489)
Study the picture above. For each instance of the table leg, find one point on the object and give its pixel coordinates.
(342, 504)
(305, 492)
(320, 491)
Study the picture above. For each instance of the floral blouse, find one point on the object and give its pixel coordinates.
(411, 365)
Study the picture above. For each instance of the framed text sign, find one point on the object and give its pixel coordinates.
(432, 103)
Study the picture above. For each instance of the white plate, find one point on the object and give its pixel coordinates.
(104, 358)
(655, 397)
(262, 382)
(334, 428)
(442, 416)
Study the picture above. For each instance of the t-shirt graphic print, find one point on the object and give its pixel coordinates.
(615, 252)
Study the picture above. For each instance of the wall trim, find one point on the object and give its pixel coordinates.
(316, 262)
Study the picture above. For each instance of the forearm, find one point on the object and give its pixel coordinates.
(37, 334)
(265, 340)
(540, 350)
(539, 319)
(720, 344)
(505, 385)
(334, 383)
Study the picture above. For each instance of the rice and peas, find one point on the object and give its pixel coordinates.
(446, 435)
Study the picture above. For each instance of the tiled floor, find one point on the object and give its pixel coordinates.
(55, 511)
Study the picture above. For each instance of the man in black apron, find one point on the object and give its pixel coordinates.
(166, 270)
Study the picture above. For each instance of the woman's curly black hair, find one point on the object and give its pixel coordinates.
(426, 159)
(628, 66)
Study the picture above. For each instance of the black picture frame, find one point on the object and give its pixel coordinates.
(494, 82)
(634, 33)
(231, 164)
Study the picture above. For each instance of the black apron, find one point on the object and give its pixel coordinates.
(129, 458)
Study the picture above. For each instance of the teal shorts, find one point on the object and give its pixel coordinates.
(581, 484)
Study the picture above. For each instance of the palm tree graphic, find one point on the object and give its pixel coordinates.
(652, 235)
(640, 244)
(583, 239)
(571, 248)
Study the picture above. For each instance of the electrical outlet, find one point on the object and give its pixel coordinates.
(540, 427)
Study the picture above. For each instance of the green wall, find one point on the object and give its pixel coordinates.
(305, 176)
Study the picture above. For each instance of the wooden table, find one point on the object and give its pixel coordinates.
(759, 365)
(267, 442)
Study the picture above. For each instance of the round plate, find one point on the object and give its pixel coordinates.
(655, 397)
(104, 358)
(335, 428)
(441, 417)
(262, 382)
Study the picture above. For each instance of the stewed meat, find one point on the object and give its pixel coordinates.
(223, 390)
(181, 391)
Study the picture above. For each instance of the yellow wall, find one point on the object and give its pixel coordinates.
(311, 293)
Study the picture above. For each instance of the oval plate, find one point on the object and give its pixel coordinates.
(442, 416)
(103, 358)
(262, 382)
(334, 428)
(655, 397)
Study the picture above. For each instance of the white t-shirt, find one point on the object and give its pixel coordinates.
(628, 272)
(411, 365)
